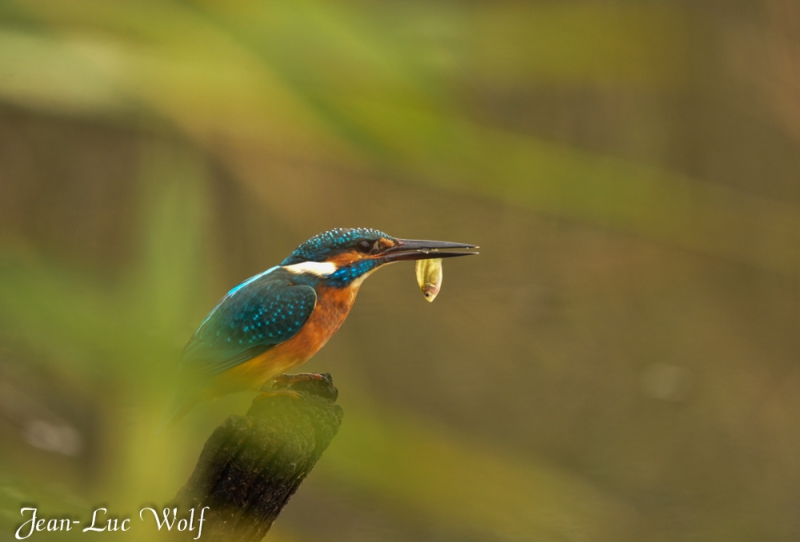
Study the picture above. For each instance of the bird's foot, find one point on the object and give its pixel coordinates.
(288, 380)
(313, 383)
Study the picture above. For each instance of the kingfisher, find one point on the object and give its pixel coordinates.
(279, 319)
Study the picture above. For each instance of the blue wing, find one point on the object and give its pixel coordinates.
(255, 316)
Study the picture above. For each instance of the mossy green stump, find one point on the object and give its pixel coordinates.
(251, 465)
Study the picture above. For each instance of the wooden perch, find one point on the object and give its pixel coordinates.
(251, 465)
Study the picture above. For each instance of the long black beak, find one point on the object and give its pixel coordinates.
(413, 249)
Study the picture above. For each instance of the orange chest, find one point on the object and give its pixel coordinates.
(333, 306)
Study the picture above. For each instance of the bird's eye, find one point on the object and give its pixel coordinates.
(365, 246)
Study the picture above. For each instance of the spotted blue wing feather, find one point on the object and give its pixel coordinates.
(250, 320)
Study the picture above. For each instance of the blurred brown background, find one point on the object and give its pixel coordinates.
(619, 364)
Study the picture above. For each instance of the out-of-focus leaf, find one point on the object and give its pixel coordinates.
(175, 210)
(45, 73)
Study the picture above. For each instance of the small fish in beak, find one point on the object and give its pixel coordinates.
(429, 277)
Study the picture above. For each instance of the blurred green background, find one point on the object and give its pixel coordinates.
(619, 364)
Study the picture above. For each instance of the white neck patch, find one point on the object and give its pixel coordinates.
(320, 269)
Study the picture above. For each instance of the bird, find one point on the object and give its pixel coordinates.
(278, 319)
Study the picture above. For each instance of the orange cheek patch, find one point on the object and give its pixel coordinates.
(345, 259)
(385, 243)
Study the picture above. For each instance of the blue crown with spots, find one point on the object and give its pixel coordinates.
(322, 245)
